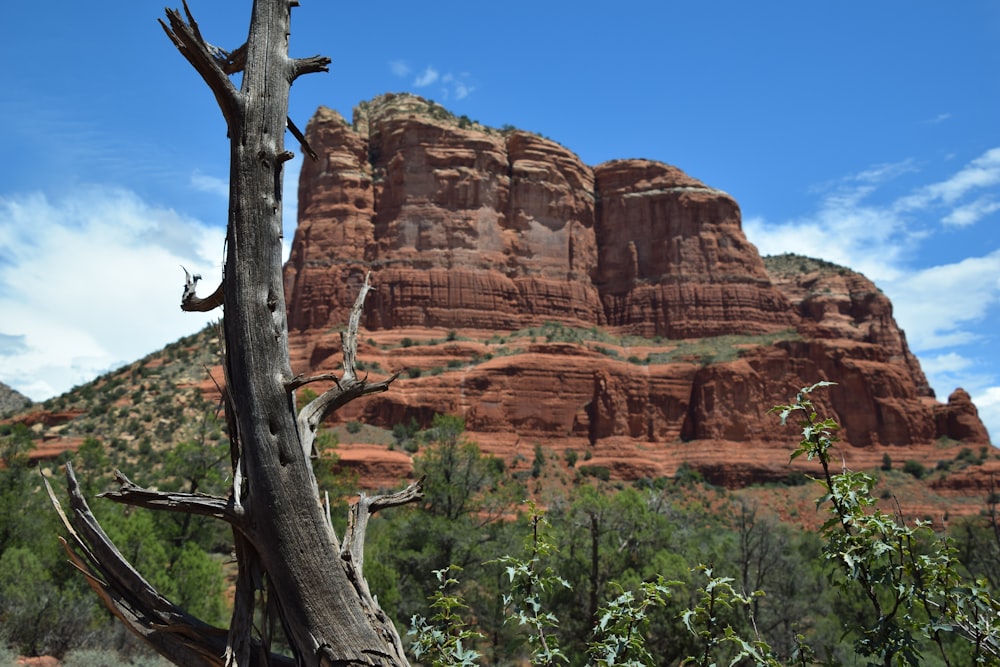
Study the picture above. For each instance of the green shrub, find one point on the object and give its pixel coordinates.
(915, 468)
(538, 463)
(602, 473)
(687, 475)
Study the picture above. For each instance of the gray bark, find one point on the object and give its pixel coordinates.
(291, 562)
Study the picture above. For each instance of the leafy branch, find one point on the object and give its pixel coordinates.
(530, 581)
(444, 640)
(908, 574)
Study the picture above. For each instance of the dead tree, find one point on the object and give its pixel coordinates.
(293, 570)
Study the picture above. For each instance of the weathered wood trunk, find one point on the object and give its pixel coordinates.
(287, 528)
(291, 562)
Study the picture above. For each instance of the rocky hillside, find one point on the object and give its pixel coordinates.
(138, 410)
(11, 400)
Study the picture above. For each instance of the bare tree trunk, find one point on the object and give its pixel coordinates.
(291, 562)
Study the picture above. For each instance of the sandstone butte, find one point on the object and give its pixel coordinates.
(669, 337)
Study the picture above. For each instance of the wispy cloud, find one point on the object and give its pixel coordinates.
(982, 172)
(940, 118)
(988, 404)
(850, 228)
(887, 171)
(971, 213)
(92, 279)
(11, 345)
(846, 228)
(938, 304)
(210, 184)
(449, 86)
(429, 76)
(942, 308)
(458, 86)
(399, 68)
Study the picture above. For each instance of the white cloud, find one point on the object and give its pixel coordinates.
(399, 68)
(429, 76)
(948, 363)
(940, 118)
(937, 304)
(878, 239)
(451, 86)
(971, 213)
(988, 403)
(887, 171)
(982, 172)
(211, 184)
(844, 230)
(456, 86)
(92, 279)
(11, 345)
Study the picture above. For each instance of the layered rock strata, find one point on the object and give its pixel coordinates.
(467, 227)
(474, 233)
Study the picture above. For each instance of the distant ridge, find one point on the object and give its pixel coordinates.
(11, 400)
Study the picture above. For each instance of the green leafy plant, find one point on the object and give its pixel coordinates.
(619, 634)
(908, 576)
(444, 640)
(704, 621)
(530, 581)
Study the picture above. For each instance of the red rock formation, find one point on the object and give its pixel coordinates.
(461, 227)
(472, 230)
(874, 399)
(673, 259)
(959, 419)
(467, 227)
(833, 302)
(46, 418)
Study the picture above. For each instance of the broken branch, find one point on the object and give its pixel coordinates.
(348, 387)
(357, 521)
(330, 401)
(301, 380)
(349, 338)
(309, 65)
(187, 503)
(191, 303)
(127, 594)
(297, 133)
(186, 36)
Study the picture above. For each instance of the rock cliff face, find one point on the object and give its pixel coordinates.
(462, 228)
(672, 257)
(465, 227)
(485, 236)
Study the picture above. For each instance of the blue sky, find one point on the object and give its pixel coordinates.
(862, 133)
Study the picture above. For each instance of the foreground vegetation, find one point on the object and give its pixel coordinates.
(661, 572)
